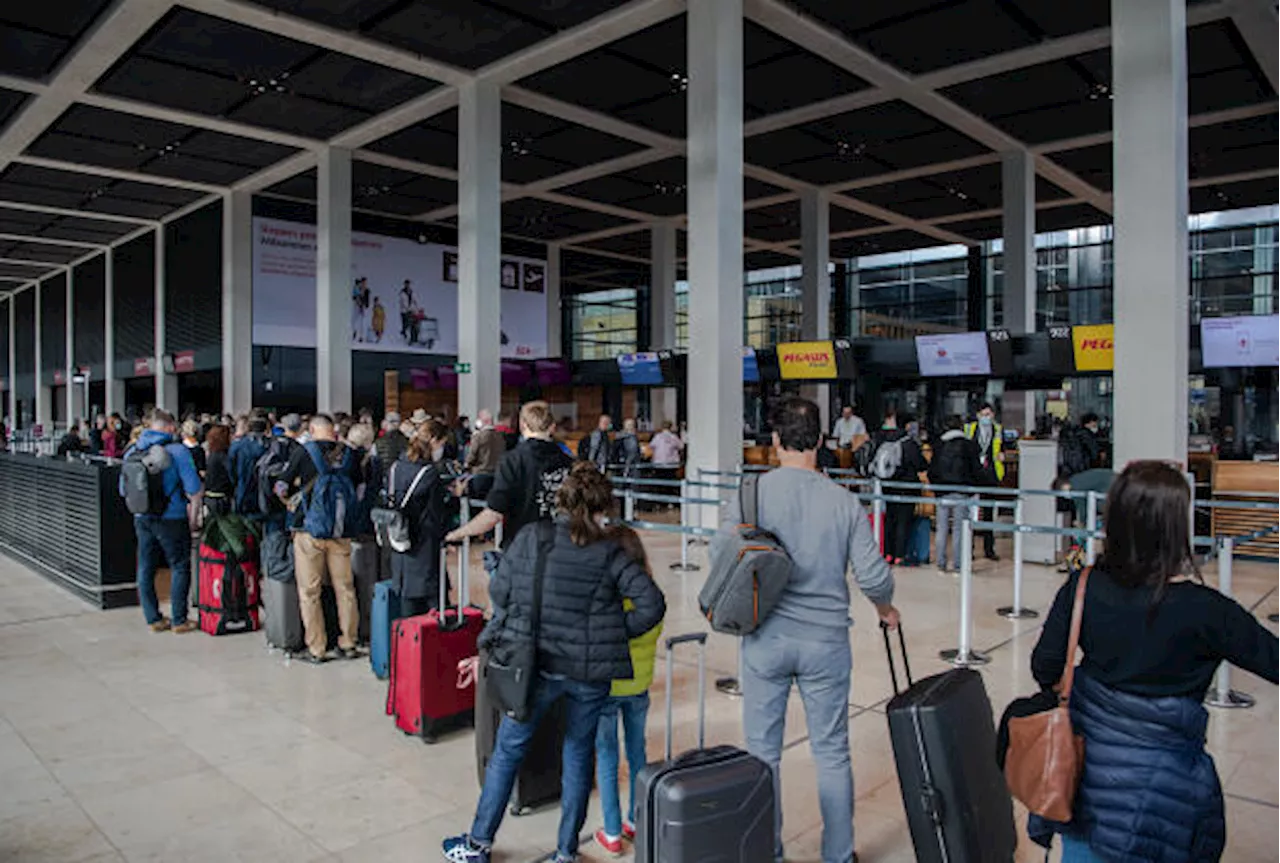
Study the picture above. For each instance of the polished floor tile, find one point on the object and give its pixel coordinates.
(117, 744)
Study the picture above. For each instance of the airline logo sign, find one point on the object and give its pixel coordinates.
(807, 360)
(1094, 347)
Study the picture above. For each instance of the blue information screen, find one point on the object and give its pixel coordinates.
(642, 369)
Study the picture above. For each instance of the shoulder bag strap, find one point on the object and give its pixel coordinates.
(546, 537)
(413, 486)
(1073, 641)
(749, 499)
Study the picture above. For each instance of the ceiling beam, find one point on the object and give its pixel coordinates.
(31, 238)
(1210, 118)
(582, 39)
(401, 117)
(74, 214)
(1256, 21)
(116, 174)
(198, 121)
(23, 262)
(835, 48)
(108, 39)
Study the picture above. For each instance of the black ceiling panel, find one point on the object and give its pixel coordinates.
(34, 36)
(875, 244)
(1070, 216)
(541, 220)
(35, 251)
(10, 102)
(17, 271)
(779, 223)
(1229, 148)
(978, 229)
(343, 14)
(1221, 72)
(298, 186)
(37, 185)
(434, 141)
(767, 260)
(847, 220)
(209, 65)
(658, 188)
(376, 187)
(536, 146)
(638, 244)
(1254, 193)
(1091, 164)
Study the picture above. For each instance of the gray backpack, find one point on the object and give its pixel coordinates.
(748, 573)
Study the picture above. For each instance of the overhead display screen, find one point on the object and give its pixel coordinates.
(1252, 340)
(1000, 349)
(1062, 355)
(953, 355)
(642, 369)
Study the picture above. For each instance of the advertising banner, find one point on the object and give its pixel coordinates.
(807, 360)
(1094, 347)
(404, 294)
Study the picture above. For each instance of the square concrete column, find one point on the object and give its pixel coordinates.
(815, 284)
(551, 284)
(70, 364)
(113, 397)
(1019, 191)
(715, 234)
(1149, 114)
(333, 281)
(166, 382)
(237, 302)
(662, 311)
(479, 246)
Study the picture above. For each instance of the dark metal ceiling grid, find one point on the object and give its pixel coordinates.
(35, 35)
(542, 220)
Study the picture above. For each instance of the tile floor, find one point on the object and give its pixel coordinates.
(120, 745)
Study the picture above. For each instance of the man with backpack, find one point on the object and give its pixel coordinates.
(320, 483)
(898, 459)
(156, 480)
(805, 637)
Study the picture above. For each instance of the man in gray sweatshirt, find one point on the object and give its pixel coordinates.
(805, 639)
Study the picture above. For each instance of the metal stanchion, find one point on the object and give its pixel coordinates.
(965, 656)
(629, 503)
(1016, 611)
(1091, 523)
(1223, 695)
(684, 565)
(696, 540)
(732, 686)
(877, 513)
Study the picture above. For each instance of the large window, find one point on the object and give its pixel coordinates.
(1233, 271)
(903, 294)
(603, 324)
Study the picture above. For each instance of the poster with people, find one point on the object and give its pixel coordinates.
(404, 294)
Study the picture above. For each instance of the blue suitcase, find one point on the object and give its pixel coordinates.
(918, 541)
(385, 610)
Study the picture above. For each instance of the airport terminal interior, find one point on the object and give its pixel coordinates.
(417, 214)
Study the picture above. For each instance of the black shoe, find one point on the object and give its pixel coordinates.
(991, 555)
(311, 659)
(348, 653)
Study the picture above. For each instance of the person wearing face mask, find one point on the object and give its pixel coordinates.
(418, 484)
(113, 437)
(988, 434)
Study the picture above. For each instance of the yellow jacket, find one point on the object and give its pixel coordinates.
(997, 439)
(644, 653)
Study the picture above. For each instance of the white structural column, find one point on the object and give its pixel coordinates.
(114, 389)
(1149, 74)
(237, 302)
(333, 281)
(166, 382)
(479, 246)
(44, 397)
(715, 234)
(551, 283)
(662, 310)
(70, 365)
(1019, 193)
(815, 283)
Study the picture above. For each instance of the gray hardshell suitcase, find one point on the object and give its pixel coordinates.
(708, 805)
(284, 615)
(748, 574)
(944, 742)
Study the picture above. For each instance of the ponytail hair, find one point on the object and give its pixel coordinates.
(585, 495)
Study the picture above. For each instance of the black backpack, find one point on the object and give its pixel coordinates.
(1073, 454)
(270, 468)
(143, 478)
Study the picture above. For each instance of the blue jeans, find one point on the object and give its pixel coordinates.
(173, 537)
(1077, 851)
(822, 670)
(634, 710)
(584, 702)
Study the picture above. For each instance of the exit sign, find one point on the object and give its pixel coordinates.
(462, 368)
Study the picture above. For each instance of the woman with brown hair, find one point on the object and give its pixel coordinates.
(417, 484)
(582, 647)
(219, 487)
(1152, 635)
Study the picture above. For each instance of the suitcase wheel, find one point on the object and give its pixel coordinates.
(429, 738)
(519, 811)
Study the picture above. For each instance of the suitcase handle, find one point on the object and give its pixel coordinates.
(444, 580)
(674, 641)
(906, 663)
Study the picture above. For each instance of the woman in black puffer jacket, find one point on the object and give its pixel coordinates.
(582, 648)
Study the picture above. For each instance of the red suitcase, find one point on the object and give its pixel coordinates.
(423, 693)
(227, 591)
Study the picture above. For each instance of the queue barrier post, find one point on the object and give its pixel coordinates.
(629, 502)
(1017, 611)
(964, 656)
(497, 535)
(684, 564)
(1222, 695)
(877, 512)
(464, 517)
(732, 686)
(1091, 522)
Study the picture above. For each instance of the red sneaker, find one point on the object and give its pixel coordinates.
(612, 844)
(628, 831)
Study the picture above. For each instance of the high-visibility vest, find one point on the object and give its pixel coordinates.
(997, 437)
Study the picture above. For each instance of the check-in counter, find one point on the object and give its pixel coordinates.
(65, 519)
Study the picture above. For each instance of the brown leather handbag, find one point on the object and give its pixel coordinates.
(1045, 754)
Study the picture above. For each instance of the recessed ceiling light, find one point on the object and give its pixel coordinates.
(519, 145)
(678, 82)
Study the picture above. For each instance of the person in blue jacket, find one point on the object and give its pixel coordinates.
(1152, 635)
(170, 531)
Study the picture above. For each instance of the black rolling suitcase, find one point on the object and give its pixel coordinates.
(538, 780)
(944, 742)
(709, 805)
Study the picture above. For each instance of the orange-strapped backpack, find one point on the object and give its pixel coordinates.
(749, 572)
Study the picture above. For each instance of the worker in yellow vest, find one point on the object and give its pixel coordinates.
(988, 434)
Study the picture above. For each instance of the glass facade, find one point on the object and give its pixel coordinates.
(905, 294)
(603, 324)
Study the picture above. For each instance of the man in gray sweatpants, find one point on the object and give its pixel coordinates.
(805, 639)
